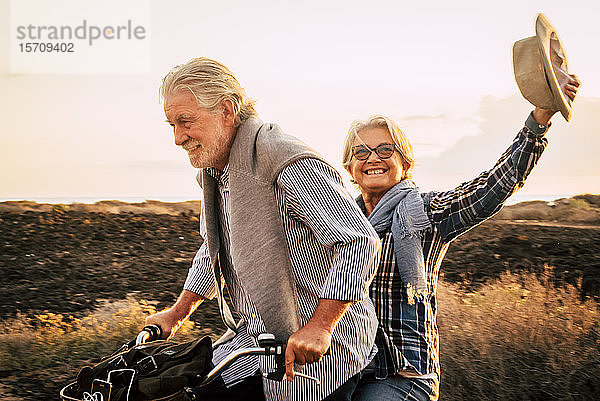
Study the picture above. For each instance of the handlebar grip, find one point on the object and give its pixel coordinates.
(155, 332)
(149, 333)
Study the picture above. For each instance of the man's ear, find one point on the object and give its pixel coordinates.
(228, 112)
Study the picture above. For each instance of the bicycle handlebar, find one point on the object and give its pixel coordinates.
(234, 356)
(268, 346)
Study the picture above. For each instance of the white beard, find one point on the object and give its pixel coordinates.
(211, 154)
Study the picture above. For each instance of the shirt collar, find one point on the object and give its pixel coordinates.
(222, 177)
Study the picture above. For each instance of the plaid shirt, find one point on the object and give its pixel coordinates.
(408, 334)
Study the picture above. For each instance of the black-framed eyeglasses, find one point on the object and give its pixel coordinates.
(363, 152)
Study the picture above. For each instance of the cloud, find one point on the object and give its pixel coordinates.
(570, 164)
(430, 135)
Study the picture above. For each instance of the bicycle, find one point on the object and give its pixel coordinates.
(101, 389)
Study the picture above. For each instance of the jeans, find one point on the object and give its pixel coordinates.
(395, 388)
(345, 391)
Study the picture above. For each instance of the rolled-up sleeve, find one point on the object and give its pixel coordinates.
(200, 277)
(316, 196)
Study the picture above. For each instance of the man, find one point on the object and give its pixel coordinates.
(293, 249)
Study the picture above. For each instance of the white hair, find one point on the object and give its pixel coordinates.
(210, 82)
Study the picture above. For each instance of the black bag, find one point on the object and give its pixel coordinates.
(151, 371)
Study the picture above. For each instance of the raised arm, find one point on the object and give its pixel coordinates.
(458, 210)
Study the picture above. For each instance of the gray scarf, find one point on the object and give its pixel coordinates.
(402, 209)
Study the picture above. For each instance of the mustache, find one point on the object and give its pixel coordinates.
(190, 144)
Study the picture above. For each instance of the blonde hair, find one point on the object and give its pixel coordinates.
(403, 145)
(210, 82)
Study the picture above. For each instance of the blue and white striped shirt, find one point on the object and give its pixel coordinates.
(334, 253)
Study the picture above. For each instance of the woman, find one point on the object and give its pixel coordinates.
(416, 230)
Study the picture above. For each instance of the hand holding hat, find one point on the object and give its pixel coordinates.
(543, 116)
(542, 73)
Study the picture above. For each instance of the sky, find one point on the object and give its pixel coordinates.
(442, 70)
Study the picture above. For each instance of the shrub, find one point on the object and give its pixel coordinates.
(41, 354)
(519, 338)
(589, 198)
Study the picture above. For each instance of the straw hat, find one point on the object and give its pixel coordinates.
(541, 69)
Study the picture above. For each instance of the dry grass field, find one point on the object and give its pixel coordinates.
(518, 299)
